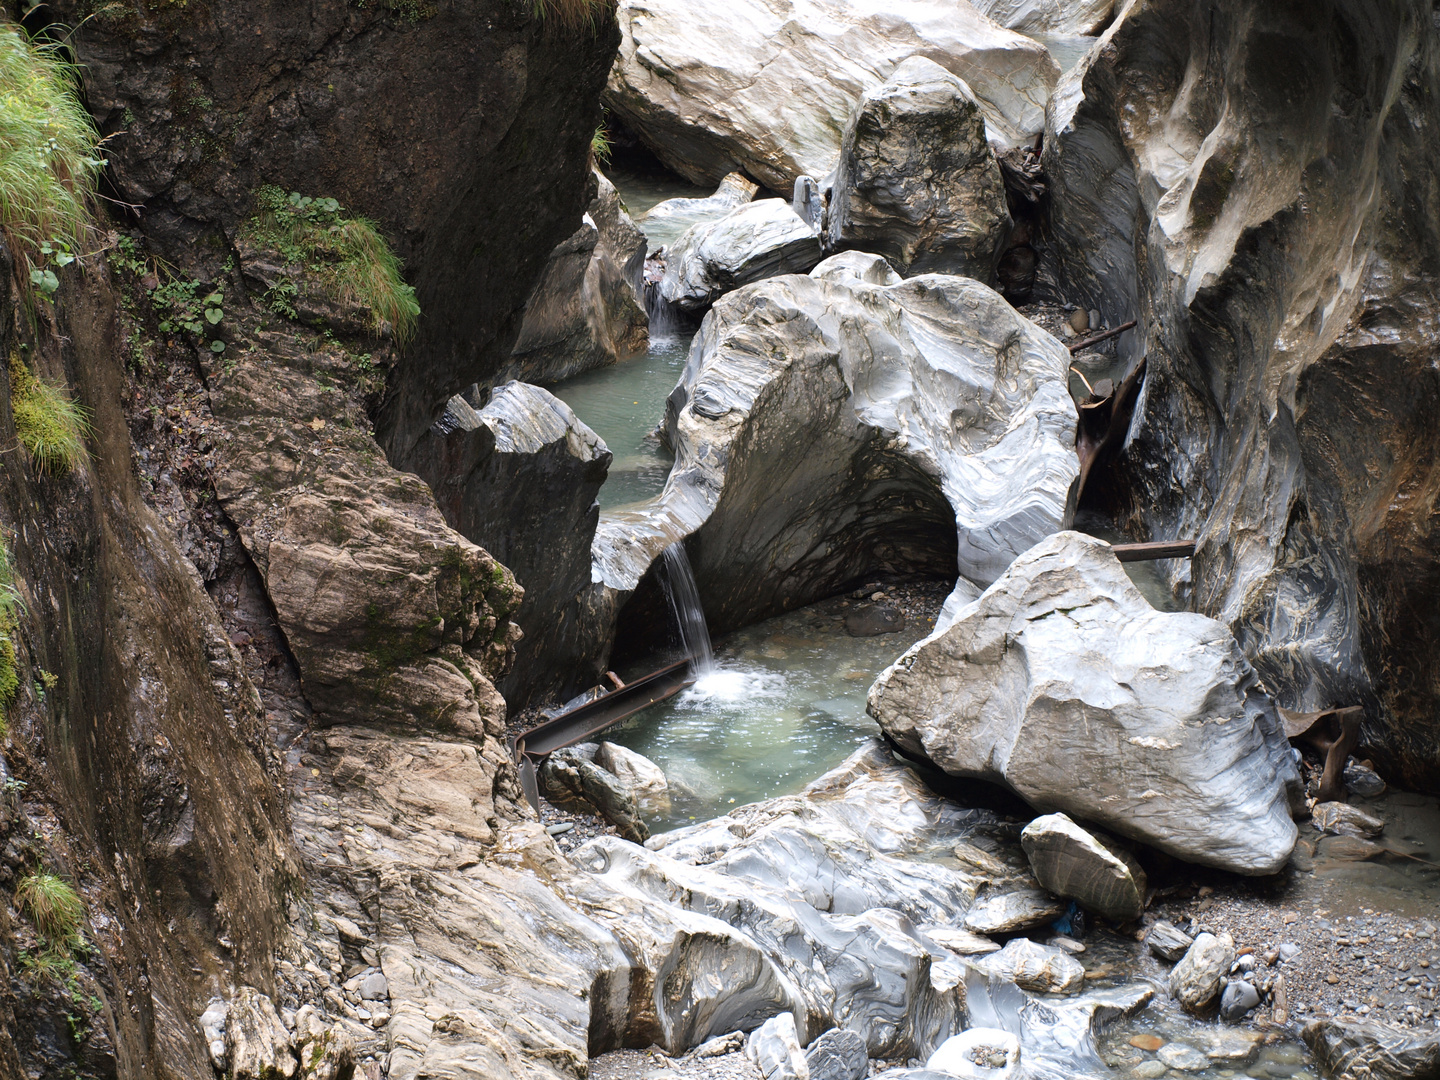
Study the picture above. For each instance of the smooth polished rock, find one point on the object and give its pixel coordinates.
(643, 777)
(1237, 999)
(1048, 17)
(1195, 980)
(831, 424)
(666, 222)
(1182, 748)
(768, 86)
(963, 942)
(978, 1054)
(1273, 457)
(1071, 862)
(759, 240)
(917, 181)
(776, 1051)
(1040, 969)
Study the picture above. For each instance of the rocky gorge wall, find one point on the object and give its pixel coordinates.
(1250, 182)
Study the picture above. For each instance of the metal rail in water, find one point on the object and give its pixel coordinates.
(576, 725)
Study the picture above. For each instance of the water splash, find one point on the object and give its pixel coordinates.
(684, 597)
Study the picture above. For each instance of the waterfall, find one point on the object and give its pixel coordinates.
(684, 597)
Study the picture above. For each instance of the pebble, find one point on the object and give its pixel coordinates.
(1147, 1042)
(1181, 1056)
(1149, 1070)
(1238, 998)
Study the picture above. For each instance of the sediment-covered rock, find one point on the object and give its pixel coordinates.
(1182, 749)
(768, 86)
(1069, 861)
(1287, 320)
(1195, 980)
(759, 240)
(832, 424)
(520, 478)
(586, 310)
(917, 181)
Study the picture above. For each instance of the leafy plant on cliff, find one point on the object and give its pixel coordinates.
(49, 424)
(52, 904)
(49, 152)
(346, 254)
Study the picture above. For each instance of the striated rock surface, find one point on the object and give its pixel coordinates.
(520, 478)
(839, 1054)
(1048, 17)
(917, 181)
(585, 311)
(759, 240)
(768, 86)
(1071, 862)
(665, 222)
(776, 1051)
(1195, 980)
(1267, 235)
(257, 1045)
(829, 425)
(1350, 1050)
(1182, 749)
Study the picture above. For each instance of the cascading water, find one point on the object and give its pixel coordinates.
(684, 597)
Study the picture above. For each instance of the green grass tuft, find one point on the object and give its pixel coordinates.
(49, 424)
(600, 146)
(346, 253)
(52, 904)
(569, 13)
(49, 150)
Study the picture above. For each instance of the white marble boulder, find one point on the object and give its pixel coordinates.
(768, 86)
(918, 183)
(1063, 683)
(1070, 861)
(829, 424)
(759, 240)
(1048, 17)
(666, 222)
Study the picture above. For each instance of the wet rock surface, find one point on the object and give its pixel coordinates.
(1005, 681)
(768, 86)
(917, 181)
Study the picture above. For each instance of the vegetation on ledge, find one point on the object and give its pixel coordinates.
(49, 156)
(48, 423)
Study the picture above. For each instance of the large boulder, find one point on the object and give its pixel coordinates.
(759, 240)
(520, 477)
(768, 86)
(917, 181)
(1182, 749)
(1352, 1050)
(1268, 236)
(1048, 17)
(830, 425)
(1069, 861)
(586, 310)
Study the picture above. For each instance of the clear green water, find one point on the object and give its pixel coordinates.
(624, 404)
(785, 704)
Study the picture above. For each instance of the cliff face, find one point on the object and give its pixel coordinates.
(461, 126)
(1250, 182)
(236, 606)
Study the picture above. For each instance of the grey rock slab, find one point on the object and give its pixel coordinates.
(1195, 980)
(838, 1054)
(759, 240)
(1356, 1050)
(643, 777)
(373, 987)
(918, 182)
(1068, 861)
(962, 942)
(1149, 1070)
(1167, 942)
(1010, 911)
(1040, 969)
(1182, 1057)
(1182, 749)
(774, 1047)
(768, 86)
